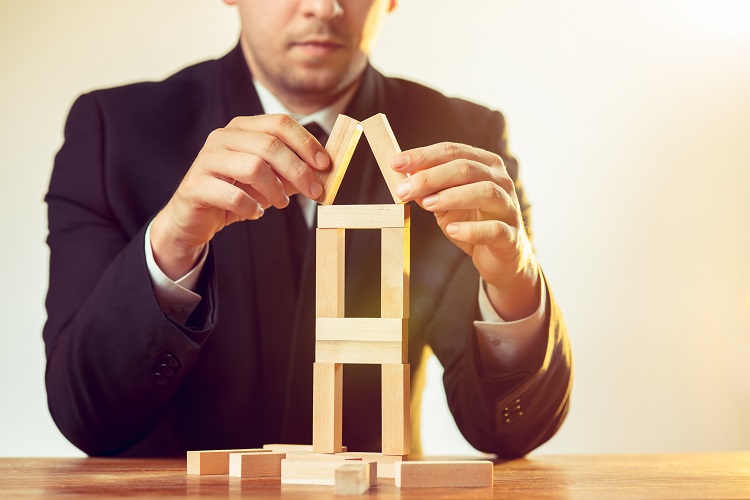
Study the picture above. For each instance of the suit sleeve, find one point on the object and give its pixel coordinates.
(113, 358)
(506, 413)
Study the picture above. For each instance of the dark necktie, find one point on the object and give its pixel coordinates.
(299, 233)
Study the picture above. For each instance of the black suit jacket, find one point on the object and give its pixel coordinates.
(124, 379)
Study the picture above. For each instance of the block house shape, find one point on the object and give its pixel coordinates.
(338, 339)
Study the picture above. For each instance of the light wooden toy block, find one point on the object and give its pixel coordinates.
(363, 216)
(255, 464)
(396, 389)
(386, 463)
(292, 448)
(328, 386)
(329, 273)
(466, 474)
(212, 462)
(395, 269)
(340, 146)
(318, 471)
(384, 146)
(352, 479)
(361, 340)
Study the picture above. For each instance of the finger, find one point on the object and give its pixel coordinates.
(487, 232)
(413, 160)
(250, 170)
(486, 196)
(275, 153)
(453, 173)
(254, 194)
(213, 192)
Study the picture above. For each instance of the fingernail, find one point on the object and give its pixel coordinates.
(316, 189)
(285, 201)
(429, 201)
(260, 211)
(322, 159)
(451, 229)
(400, 161)
(403, 189)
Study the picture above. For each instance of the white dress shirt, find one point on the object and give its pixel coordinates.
(503, 346)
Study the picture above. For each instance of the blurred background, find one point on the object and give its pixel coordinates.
(631, 121)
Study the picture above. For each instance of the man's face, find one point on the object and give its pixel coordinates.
(310, 47)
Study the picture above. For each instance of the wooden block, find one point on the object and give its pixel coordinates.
(329, 273)
(384, 147)
(352, 479)
(467, 474)
(317, 471)
(328, 388)
(292, 448)
(363, 216)
(340, 146)
(303, 455)
(395, 269)
(255, 464)
(386, 463)
(396, 389)
(361, 340)
(206, 462)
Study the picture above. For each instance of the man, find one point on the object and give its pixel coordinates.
(171, 327)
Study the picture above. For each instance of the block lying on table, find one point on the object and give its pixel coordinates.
(206, 462)
(463, 474)
(386, 463)
(286, 448)
(306, 471)
(352, 479)
(255, 464)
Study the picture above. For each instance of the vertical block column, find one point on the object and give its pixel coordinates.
(329, 273)
(328, 388)
(395, 269)
(396, 387)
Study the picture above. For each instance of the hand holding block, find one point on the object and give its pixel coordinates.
(340, 146)
(465, 474)
(384, 147)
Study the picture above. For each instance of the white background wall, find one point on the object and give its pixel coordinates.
(631, 121)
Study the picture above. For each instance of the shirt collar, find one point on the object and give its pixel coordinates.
(325, 117)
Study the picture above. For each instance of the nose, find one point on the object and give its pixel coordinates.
(324, 9)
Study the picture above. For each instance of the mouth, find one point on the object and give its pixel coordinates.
(318, 47)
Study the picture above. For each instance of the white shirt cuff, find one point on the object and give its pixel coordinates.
(508, 345)
(176, 298)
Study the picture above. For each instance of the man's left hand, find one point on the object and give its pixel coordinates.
(475, 204)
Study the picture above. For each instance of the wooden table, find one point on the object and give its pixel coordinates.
(719, 475)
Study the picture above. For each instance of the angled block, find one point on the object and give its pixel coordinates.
(396, 389)
(317, 471)
(361, 340)
(352, 479)
(340, 146)
(363, 216)
(394, 272)
(255, 464)
(466, 474)
(329, 273)
(207, 462)
(328, 387)
(386, 463)
(384, 147)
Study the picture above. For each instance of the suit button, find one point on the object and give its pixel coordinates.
(165, 370)
(160, 379)
(171, 361)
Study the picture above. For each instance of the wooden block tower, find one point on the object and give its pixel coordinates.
(340, 340)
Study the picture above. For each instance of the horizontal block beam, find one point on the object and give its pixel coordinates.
(464, 474)
(360, 352)
(292, 448)
(362, 329)
(363, 216)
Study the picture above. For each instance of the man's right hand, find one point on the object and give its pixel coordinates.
(252, 163)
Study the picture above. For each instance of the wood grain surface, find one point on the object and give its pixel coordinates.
(689, 476)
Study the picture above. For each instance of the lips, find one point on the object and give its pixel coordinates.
(318, 47)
